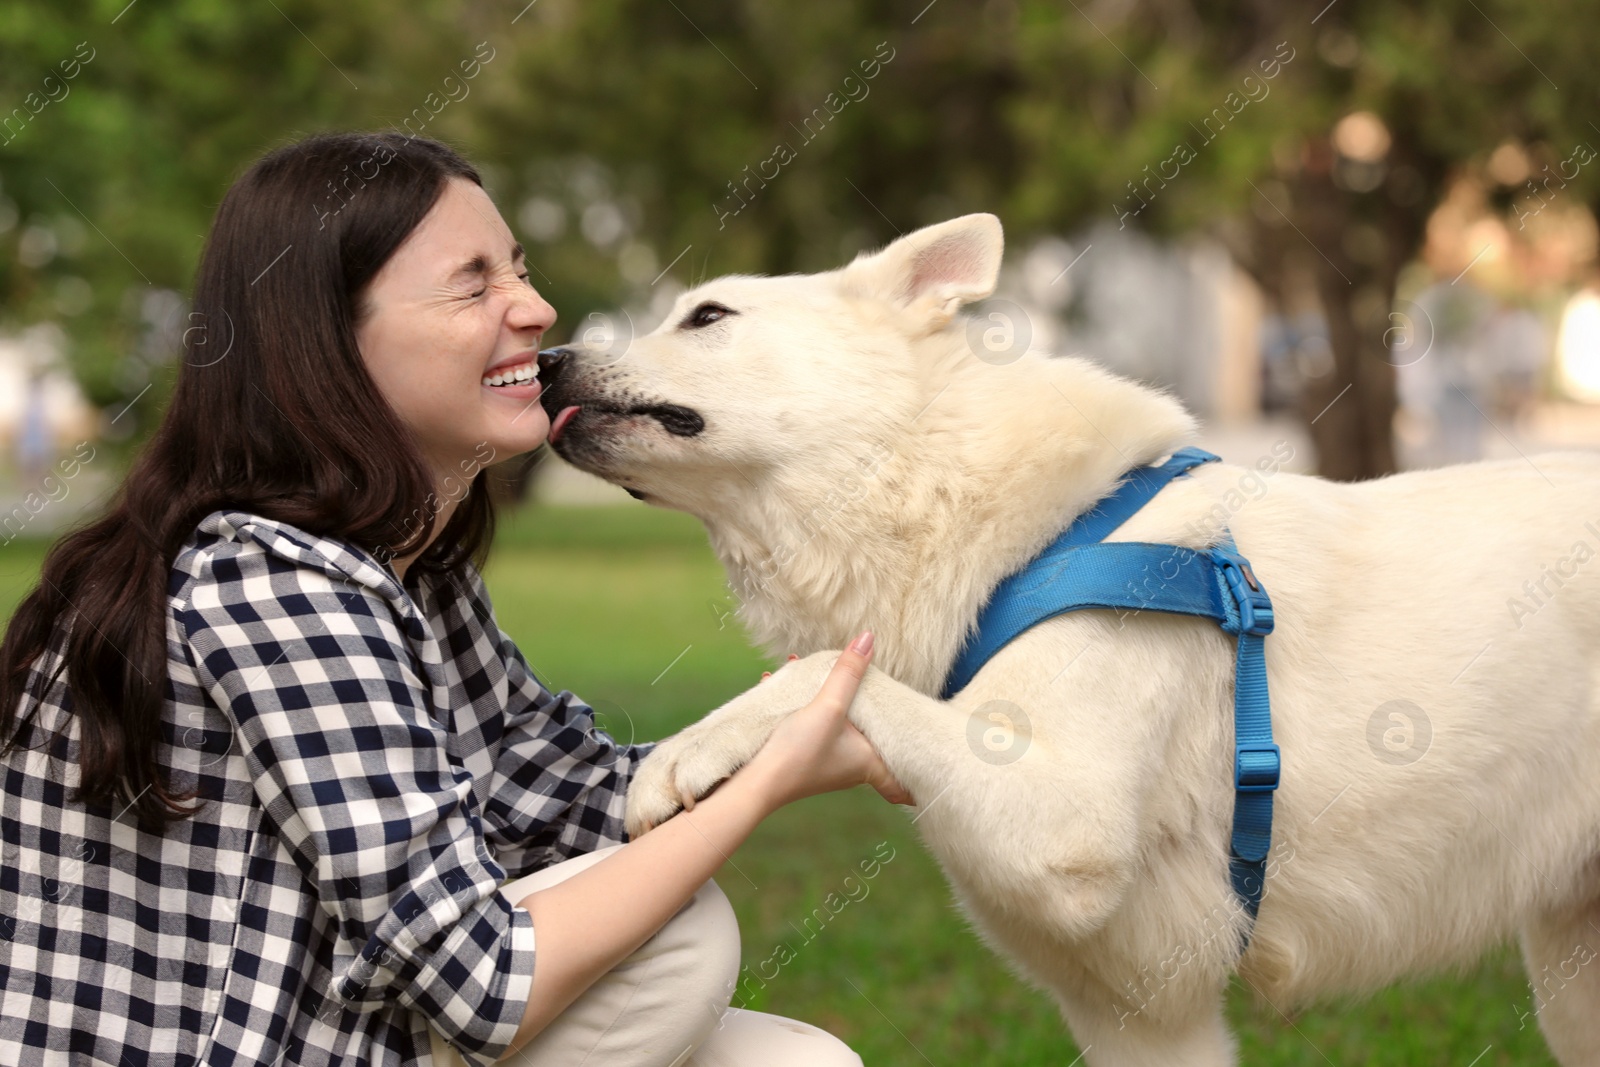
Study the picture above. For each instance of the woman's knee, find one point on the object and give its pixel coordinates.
(745, 1038)
(702, 940)
(696, 951)
(679, 982)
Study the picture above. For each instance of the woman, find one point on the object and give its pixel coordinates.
(269, 756)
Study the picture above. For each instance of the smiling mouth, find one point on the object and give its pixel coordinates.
(510, 375)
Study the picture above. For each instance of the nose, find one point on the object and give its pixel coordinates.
(551, 363)
(529, 310)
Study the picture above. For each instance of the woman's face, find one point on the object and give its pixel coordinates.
(451, 309)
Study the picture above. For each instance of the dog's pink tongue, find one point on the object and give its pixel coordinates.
(562, 418)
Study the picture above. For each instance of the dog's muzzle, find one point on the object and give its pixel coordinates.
(555, 371)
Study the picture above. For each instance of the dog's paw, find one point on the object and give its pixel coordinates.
(653, 795)
(686, 767)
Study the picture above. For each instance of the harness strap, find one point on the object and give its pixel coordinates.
(1079, 570)
(1135, 490)
(997, 625)
(1257, 761)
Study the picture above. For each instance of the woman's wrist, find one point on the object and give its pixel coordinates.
(760, 784)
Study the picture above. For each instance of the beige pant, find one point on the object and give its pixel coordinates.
(667, 1004)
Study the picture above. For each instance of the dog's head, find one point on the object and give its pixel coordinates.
(750, 377)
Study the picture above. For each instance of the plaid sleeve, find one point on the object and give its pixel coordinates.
(349, 765)
(560, 781)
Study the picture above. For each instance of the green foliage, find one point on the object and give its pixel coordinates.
(646, 125)
(129, 165)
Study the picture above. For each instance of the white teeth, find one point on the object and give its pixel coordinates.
(525, 372)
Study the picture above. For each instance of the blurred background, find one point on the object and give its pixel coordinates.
(1366, 229)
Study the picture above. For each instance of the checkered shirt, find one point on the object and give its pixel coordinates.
(375, 760)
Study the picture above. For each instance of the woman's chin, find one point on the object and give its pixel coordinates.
(522, 431)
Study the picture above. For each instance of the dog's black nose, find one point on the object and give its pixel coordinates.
(551, 362)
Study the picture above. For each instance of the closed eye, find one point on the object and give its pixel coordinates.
(485, 289)
(705, 315)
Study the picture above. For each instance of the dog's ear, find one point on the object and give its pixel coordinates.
(935, 270)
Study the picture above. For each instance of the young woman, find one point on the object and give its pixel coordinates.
(269, 757)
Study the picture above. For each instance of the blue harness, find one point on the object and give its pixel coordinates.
(1078, 571)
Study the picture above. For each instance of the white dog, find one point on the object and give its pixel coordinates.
(1434, 671)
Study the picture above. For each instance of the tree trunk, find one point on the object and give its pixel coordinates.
(1350, 412)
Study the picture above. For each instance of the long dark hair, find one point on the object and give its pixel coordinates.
(273, 413)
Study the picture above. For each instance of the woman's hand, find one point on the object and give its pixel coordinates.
(817, 749)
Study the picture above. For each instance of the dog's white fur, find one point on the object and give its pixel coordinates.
(861, 468)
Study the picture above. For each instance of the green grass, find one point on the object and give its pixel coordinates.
(627, 608)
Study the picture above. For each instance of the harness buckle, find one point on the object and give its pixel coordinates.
(1255, 607)
(1257, 767)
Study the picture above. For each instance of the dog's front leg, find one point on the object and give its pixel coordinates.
(922, 740)
(1068, 849)
(687, 765)
(1014, 810)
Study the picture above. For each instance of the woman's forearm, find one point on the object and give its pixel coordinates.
(636, 889)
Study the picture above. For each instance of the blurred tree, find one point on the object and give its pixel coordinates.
(109, 177)
(1329, 169)
(1235, 118)
(623, 139)
(760, 137)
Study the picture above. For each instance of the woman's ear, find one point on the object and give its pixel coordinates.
(932, 272)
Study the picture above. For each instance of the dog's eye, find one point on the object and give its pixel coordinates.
(706, 314)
